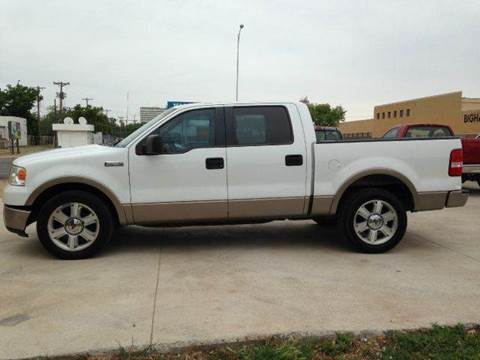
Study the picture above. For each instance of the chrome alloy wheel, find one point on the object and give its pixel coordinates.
(375, 222)
(73, 226)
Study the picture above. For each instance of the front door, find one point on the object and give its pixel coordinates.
(267, 165)
(187, 182)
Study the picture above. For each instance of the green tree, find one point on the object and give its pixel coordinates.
(45, 126)
(325, 114)
(18, 101)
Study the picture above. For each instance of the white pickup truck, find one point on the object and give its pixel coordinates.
(231, 163)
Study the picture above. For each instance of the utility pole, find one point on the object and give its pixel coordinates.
(128, 98)
(39, 98)
(61, 94)
(87, 99)
(238, 59)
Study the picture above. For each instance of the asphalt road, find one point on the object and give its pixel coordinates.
(181, 285)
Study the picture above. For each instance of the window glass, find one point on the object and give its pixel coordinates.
(260, 125)
(427, 131)
(408, 112)
(141, 129)
(320, 134)
(391, 134)
(190, 130)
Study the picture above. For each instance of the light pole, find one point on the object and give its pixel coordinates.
(238, 58)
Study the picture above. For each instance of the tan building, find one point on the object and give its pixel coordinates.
(460, 113)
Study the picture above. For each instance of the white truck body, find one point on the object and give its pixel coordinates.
(247, 182)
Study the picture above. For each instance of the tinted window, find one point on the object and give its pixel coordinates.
(190, 130)
(427, 131)
(260, 125)
(391, 134)
(323, 135)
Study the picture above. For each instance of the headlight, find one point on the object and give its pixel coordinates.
(18, 175)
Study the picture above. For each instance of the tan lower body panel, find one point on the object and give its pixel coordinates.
(430, 200)
(266, 208)
(176, 212)
(211, 211)
(15, 218)
(322, 205)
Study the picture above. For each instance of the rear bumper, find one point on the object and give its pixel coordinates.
(471, 169)
(456, 198)
(16, 220)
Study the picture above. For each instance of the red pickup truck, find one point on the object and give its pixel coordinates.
(471, 147)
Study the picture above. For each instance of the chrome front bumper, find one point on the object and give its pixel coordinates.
(15, 220)
(457, 198)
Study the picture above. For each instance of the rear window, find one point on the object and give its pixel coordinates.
(427, 131)
(325, 135)
(260, 125)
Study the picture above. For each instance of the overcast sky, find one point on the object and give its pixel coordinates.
(351, 53)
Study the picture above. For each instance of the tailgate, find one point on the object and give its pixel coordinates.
(471, 151)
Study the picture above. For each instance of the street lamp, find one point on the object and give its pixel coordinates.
(238, 58)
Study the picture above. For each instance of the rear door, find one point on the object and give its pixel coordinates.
(266, 167)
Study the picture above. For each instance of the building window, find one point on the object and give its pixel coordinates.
(395, 114)
(383, 115)
(378, 115)
(401, 113)
(389, 114)
(408, 112)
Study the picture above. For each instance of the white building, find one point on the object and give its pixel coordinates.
(19, 126)
(148, 113)
(70, 134)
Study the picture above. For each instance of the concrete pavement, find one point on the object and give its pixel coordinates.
(182, 285)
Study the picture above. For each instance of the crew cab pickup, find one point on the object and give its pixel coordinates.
(228, 164)
(471, 147)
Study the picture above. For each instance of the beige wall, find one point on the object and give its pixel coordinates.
(357, 127)
(448, 109)
(469, 104)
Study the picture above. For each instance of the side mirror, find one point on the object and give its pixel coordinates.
(153, 145)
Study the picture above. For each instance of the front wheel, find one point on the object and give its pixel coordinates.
(373, 220)
(74, 225)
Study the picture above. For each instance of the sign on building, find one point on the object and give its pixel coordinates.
(171, 104)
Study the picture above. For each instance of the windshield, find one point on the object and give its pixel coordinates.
(142, 128)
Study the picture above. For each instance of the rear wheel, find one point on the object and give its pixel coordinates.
(373, 220)
(74, 225)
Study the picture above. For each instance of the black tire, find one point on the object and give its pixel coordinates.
(326, 220)
(347, 218)
(101, 210)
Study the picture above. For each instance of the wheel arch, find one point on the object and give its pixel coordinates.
(51, 188)
(390, 180)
